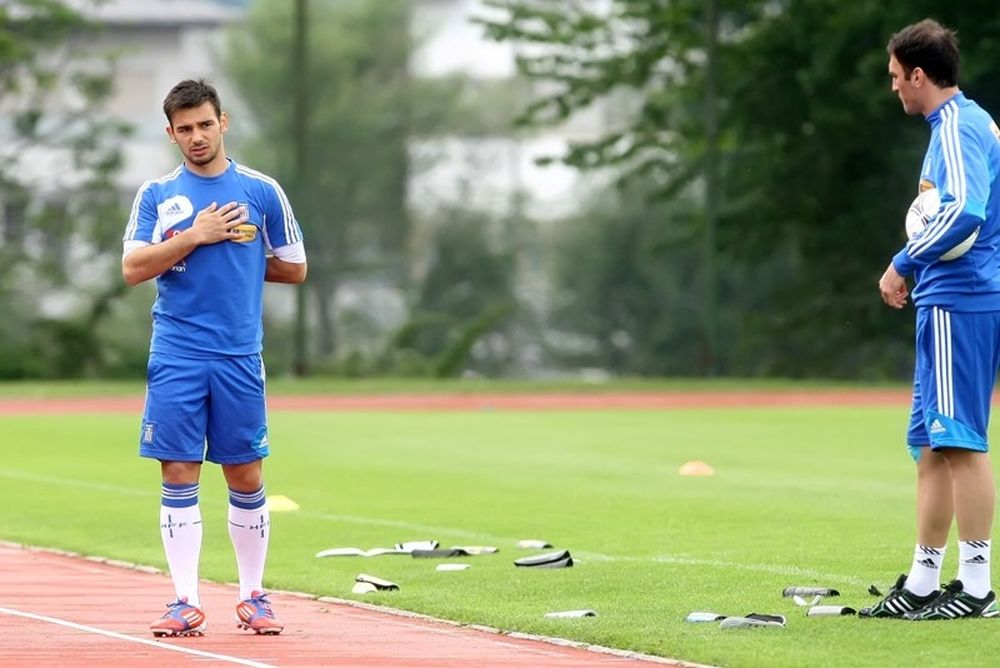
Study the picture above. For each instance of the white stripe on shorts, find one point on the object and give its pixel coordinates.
(942, 362)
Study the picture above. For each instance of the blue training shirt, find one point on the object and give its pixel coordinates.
(210, 304)
(963, 163)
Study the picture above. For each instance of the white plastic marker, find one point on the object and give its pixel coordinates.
(801, 602)
(569, 614)
(363, 588)
(809, 591)
(410, 546)
(477, 549)
(451, 567)
(378, 583)
(704, 617)
(749, 622)
(830, 611)
(358, 552)
(531, 544)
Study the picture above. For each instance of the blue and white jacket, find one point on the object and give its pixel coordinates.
(963, 163)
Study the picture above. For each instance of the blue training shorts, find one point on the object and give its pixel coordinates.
(198, 409)
(957, 359)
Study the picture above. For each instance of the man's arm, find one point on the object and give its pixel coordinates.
(212, 225)
(279, 271)
(149, 262)
(964, 193)
(286, 262)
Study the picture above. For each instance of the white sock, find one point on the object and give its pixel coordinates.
(249, 529)
(974, 566)
(925, 573)
(181, 529)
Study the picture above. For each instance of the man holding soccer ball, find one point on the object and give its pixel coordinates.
(957, 298)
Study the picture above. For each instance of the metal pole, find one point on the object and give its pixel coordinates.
(710, 361)
(301, 139)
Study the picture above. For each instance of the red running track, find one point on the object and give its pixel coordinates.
(59, 610)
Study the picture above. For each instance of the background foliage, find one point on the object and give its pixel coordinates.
(758, 168)
(57, 168)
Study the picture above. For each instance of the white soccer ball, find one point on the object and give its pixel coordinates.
(923, 208)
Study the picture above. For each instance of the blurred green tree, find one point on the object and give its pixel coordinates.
(777, 117)
(59, 153)
(626, 295)
(362, 109)
(463, 312)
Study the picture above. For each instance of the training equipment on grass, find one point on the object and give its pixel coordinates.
(358, 552)
(753, 620)
(697, 617)
(438, 554)
(696, 468)
(801, 602)
(378, 583)
(398, 548)
(922, 210)
(451, 567)
(788, 592)
(737, 622)
(571, 614)
(532, 544)
(363, 588)
(412, 545)
(830, 611)
(476, 549)
(560, 559)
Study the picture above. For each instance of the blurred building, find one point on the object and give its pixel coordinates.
(153, 44)
(504, 166)
(159, 42)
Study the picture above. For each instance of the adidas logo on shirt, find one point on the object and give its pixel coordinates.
(174, 210)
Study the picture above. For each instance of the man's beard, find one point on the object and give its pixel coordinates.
(204, 159)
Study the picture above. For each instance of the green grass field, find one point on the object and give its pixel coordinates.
(801, 497)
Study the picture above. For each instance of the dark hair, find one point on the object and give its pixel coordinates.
(929, 46)
(189, 94)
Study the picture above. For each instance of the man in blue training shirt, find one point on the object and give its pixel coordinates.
(211, 232)
(958, 331)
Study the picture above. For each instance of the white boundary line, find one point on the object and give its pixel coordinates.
(141, 641)
(677, 559)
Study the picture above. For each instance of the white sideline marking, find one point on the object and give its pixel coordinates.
(143, 641)
(70, 482)
(774, 569)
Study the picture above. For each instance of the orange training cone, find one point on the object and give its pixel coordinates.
(696, 468)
